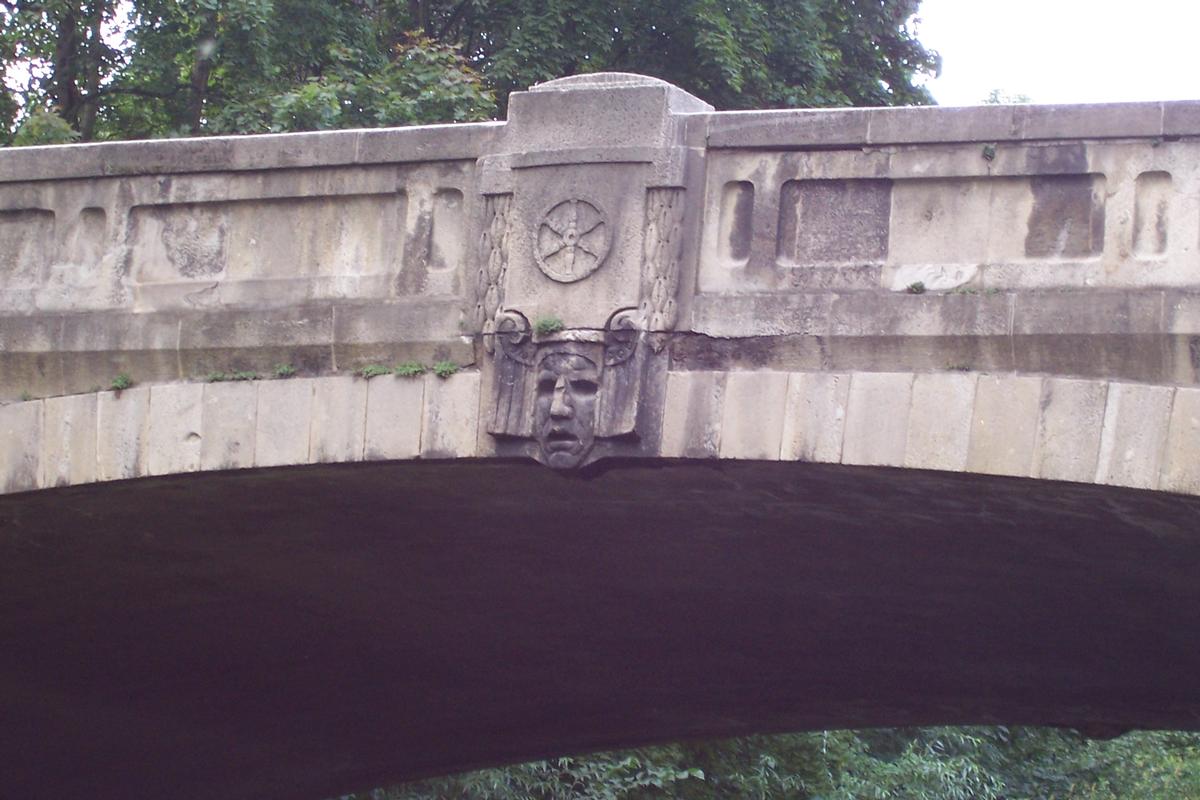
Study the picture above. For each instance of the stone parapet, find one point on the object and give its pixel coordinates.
(615, 229)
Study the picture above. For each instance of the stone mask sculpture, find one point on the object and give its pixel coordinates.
(557, 395)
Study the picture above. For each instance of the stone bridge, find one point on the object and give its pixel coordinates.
(844, 418)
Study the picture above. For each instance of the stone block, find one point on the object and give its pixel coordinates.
(1136, 421)
(753, 415)
(339, 418)
(281, 428)
(941, 124)
(122, 423)
(692, 415)
(173, 439)
(1181, 118)
(69, 441)
(1181, 461)
(450, 420)
(393, 427)
(20, 445)
(1088, 121)
(815, 417)
(227, 425)
(939, 421)
(784, 129)
(877, 418)
(1004, 425)
(1068, 434)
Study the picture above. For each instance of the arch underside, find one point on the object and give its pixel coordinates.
(307, 631)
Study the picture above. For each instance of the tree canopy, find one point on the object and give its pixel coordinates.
(118, 69)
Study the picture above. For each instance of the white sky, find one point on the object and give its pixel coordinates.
(1064, 51)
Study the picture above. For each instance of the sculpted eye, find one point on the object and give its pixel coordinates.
(584, 385)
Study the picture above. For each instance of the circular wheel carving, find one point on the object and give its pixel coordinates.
(572, 240)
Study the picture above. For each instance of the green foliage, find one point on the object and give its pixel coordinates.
(220, 377)
(44, 127)
(444, 369)
(26, 396)
(547, 325)
(897, 764)
(998, 97)
(121, 382)
(916, 287)
(373, 371)
(284, 370)
(152, 68)
(410, 369)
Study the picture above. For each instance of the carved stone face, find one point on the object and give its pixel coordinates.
(565, 406)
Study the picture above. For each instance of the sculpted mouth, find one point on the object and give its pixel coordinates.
(558, 441)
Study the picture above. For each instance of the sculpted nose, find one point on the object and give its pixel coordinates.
(560, 406)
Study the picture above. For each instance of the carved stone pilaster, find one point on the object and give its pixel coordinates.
(663, 249)
(493, 265)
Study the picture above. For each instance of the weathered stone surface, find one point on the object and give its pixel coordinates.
(1136, 421)
(815, 417)
(20, 445)
(122, 423)
(939, 422)
(393, 427)
(1069, 427)
(450, 416)
(1181, 460)
(281, 428)
(1004, 424)
(877, 418)
(69, 441)
(692, 415)
(173, 435)
(753, 416)
(227, 424)
(701, 264)
(339, 418)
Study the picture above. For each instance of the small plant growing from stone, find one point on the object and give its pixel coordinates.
(221, 377)
(26, 397)
(916, 287)
(444, 369)
(373, 371)
(548, 325)
(410, 369)
(121, 382)
(284, 370)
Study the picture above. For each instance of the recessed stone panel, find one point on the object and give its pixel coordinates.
(1150, 215)
(833, 221)
(295, 237)
(26, 236)
(735, 223)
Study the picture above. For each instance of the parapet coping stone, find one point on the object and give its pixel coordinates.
(788, 129)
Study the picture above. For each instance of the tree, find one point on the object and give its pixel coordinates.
(146, 68)
(897, 764)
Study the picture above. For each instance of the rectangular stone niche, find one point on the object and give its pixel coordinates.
(841, 221)
(267, 239)
(26, 236)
